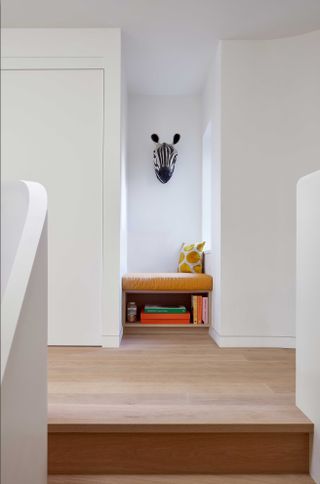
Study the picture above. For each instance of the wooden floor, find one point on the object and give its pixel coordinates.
(198, 479)
(172, 379)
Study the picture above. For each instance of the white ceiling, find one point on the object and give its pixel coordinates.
(168, 44)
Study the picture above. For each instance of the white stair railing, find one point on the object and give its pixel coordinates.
(23, 333)
(308, 308)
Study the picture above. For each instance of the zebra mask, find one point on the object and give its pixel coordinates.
(164, 158)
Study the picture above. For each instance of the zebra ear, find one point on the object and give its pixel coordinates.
(176, 138)
(155, 138)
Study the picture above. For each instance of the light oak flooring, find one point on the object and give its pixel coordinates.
(197, 479)
(179, 379)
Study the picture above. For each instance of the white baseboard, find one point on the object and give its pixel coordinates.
(252, 341)
(112, 341)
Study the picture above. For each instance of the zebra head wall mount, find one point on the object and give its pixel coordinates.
(164, 157)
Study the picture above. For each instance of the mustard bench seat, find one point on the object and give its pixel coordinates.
(166, 281)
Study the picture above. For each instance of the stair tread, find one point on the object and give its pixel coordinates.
(235, 428)
(173, 380)
(183, 479)
(237, 417)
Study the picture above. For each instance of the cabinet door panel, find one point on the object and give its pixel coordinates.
(52, 132)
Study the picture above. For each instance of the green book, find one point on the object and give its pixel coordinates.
(165, 309)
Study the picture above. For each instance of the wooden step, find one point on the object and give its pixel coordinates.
(179, 449)
(175, 403)
(193, 479)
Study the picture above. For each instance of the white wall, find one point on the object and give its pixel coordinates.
(270, 118)
(211, 116)
(65, 108)
(206, 188)
(161, 217)
(124, 184)
(308, 307)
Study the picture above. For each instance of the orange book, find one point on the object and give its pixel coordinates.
(163, 317)
(199, 307)
(165, 321)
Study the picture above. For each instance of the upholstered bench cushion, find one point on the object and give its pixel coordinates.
(167, 281)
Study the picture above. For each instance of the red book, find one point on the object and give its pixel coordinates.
(164, 317)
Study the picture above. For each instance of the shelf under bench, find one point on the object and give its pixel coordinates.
(164, 289)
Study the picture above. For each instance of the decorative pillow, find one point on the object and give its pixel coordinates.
(191, 257)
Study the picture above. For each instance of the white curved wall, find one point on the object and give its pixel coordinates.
(308, 307)
(269, 135)
(24, 334)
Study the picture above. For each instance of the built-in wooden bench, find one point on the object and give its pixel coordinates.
(166, 289)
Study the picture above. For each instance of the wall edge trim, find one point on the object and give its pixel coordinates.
(112, 340)
(231, 341)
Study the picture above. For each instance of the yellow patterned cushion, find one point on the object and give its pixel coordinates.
(191, 258)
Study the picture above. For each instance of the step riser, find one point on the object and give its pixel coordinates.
(178, 453)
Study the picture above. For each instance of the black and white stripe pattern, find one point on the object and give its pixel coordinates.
(164, 158)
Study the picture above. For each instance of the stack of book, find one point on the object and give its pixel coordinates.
(200, 314)
(165, 315)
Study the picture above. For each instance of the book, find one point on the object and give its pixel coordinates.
(205, 310)
(165, 321)
(194, 309)
(199, 307)
(165, 309)
(165, 316)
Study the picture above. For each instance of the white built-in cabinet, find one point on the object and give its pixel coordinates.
(52, 134)
(61, 105)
